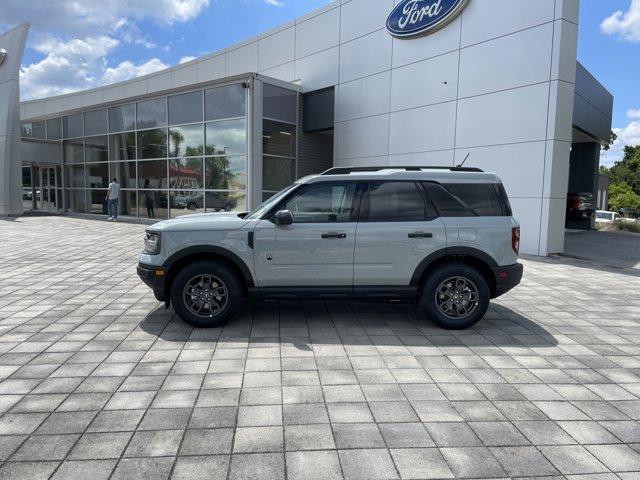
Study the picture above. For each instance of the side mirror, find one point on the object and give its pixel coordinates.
(283, 218)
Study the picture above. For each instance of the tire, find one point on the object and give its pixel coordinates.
(227, 208)
(217, 310)
(457, 298)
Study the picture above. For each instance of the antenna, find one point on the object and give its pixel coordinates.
(464, 161)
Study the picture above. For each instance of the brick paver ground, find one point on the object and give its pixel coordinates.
(97, 380)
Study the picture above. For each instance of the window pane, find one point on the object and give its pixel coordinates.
(75, 176)
(152, 113)
(185, 173)
(225, 201)
(480, 198)
(54, 129)
(97, 201)
(26, 130)
(76, 202)
(97, 175)
(185, 108)
(72, 126)
(447, 204)
(95, 122)
(152, 143)
(38, 130)
(186, 203)
(96, 149)
(74, 151)
(225, 102)
(152, 204)
(125, 172)
(395, 202)
(122, 146)
(323, 203)
(278, 139)
(226, 137)
(152, 174)
(277, 173)
(122, 118)
(186, 141)
(226, 173)
(127, 203)
(279, 103)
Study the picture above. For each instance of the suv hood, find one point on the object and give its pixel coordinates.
(202, 221)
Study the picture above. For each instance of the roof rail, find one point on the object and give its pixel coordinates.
(348, 170)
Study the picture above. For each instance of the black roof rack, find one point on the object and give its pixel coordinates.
(348, 170)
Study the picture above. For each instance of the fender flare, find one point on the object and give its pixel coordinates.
(211, 249)
(447, 252)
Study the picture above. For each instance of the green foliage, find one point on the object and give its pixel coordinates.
(622, 195)
(628, 170)
(612, 139)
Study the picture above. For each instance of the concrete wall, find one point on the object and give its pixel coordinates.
(13, 42)
(498, 83)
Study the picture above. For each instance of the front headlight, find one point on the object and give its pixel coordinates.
(151, 243)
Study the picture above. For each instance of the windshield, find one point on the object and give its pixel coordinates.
(604, 216)
(267, 205)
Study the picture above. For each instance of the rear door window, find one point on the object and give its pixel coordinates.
(396, 202)
(467, 199)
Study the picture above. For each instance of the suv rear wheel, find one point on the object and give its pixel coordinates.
(206, 294)
(456, 296)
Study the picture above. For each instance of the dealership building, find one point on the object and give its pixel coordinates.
(356, 83)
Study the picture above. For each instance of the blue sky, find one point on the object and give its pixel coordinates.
(80, 45)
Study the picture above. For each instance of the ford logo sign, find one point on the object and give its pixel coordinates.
(412, 18)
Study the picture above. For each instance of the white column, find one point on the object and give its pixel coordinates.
(12, 45)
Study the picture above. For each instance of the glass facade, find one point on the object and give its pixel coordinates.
(279, 134)
(173, 155)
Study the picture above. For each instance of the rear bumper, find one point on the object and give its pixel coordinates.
(507, 278)
(155, 278)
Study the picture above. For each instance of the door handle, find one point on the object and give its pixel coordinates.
(421, 235)
(334, 235)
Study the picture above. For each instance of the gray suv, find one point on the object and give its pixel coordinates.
(442, 237)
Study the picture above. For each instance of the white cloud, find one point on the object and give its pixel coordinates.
(186, 59)
(275, 3)
(633, 114)
(76, 39)
(629, 135)
(127, 70)
(88, 18)
(78, 65)
(626, 25)
(67, 66)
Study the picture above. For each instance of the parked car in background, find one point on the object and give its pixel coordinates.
(216, 201)
(442, 237)
(603, 216)
(580, 210)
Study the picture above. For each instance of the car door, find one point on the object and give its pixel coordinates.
(317, 249)
(397, 229)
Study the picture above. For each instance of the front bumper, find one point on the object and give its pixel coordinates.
(507, 278)
(155, 278)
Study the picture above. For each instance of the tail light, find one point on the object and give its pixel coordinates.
(575, 202)
(515, 239)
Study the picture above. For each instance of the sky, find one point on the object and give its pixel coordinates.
(82, 44)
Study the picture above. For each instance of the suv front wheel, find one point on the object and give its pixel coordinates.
(206, 294)
(455, 296)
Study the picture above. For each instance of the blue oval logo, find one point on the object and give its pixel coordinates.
(412, 18)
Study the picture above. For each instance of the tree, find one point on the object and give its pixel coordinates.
(613, 136)
(621, 195)
(628, 170)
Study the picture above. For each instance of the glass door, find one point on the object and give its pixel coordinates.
(48, 183)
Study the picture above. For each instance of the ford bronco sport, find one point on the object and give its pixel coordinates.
(443, 237)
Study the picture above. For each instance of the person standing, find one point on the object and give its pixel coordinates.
(112, 200)
(149, 200)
